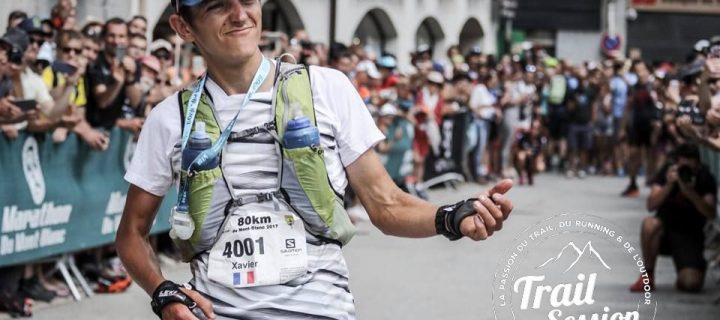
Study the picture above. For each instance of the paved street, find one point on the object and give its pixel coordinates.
(435, 279)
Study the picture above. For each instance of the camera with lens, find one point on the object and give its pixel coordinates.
(686, 174)
(688, 108)
(15, 55)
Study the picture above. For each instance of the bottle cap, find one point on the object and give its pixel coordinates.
(298, 123)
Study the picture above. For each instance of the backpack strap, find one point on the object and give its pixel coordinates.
(55, 78)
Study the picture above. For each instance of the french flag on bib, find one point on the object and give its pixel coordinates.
(238, 277)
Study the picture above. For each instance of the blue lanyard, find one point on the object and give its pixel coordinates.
(215, 150)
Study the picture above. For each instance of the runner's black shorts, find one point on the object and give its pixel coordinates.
(558, 119)
(639, 135)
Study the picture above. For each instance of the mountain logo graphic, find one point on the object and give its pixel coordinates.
(33, 171)
(571, 249)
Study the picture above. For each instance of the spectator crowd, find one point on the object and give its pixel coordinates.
(464, 115)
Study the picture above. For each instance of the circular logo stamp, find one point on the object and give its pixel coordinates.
(572, 267)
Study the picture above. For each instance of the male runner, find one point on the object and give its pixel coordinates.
(227, 33)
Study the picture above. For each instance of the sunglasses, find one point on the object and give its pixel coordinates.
(162, 55)
(77, 51)
(38, 41)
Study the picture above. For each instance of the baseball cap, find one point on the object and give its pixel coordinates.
(17, 39)
(551, 62)
(388, 110)
(152, 63)
(32, 25)
(187, 3)
(387, 62)
(369, 68)
(436, 78)
(701, 45)
(160, 44)
(424, 48)
(474, 51)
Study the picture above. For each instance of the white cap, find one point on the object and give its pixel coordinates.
(161, 44)
(388, 109)
(436, 77)
(369, 68)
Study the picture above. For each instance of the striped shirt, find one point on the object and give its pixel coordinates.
(251, 166)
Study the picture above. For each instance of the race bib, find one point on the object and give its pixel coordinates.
(259, 249)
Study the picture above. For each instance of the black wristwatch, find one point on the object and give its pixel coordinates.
(169, 292)
(448, 218)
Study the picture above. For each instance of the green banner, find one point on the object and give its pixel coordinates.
(60, 198)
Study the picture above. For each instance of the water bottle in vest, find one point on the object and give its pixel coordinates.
(300, 133)
(199, 142)
(182, 224)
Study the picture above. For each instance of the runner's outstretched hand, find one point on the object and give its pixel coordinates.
(492, 208)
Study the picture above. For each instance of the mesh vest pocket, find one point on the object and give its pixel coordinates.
(201, 193)
(305, 181)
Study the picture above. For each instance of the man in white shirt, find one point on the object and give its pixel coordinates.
(228, 39)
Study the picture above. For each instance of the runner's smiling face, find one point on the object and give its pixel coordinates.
(227, 30)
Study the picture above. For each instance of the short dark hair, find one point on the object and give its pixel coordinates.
(68, 34)
(186, 14)
(95, 40)
(112, 21)
(460, 76)
(138, 17)
(17, 14)
(638, 62)
(86, 29)
(687, 151)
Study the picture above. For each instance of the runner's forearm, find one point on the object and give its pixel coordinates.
(132, 243)
(391, 210)
(403, 215)
(140, 261)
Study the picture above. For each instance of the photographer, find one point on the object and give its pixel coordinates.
(683, 194)
(9, 113)
(25, 88)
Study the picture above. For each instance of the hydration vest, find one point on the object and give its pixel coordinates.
(558, 89)
(303, 182)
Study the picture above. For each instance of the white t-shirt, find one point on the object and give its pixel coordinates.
(34, 88)
(482, 101)
(346, 127)
(347, 131)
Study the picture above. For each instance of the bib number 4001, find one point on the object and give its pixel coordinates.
(239, 248)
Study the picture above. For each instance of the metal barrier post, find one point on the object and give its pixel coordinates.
(60, 264)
